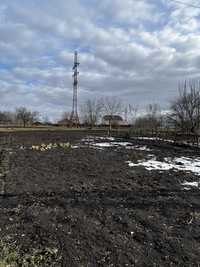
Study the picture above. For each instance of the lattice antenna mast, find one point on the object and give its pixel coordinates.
(74, 115)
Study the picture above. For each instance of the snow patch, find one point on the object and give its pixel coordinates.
(142, 148)
(95, 141)
(154, 138)
(103, 144)
(182, 163)
(74, 146)
(126, 145)
(152, 164)
(111, 144)
(96, 138)
(193, 184)
(188, 164)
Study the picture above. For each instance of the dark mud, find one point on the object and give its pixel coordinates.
(91, 208)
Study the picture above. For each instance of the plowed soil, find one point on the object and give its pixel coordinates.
(90, 208)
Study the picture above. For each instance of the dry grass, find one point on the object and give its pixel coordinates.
(136, 156)
(10, 257)
(33, 129)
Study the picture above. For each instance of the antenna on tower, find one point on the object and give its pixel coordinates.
(74, 118)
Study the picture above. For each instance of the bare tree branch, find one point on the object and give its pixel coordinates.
(185, 110)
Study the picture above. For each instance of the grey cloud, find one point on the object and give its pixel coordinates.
(119, 54)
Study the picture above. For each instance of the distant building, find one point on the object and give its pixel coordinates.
(113, 120)
(64, 122)
(38, 123)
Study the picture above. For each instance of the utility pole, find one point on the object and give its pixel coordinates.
(74, 118)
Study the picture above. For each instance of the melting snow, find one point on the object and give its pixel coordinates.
(103, 144)
(127, 145)
(94, 141)
(154, 138)
(194, 184)
(183, 163)
(141, 148)
(111, 144)
(74, 146)
(188, 164)
(152, 164)
(95, 138)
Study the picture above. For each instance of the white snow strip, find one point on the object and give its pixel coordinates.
(103, 144)
(188, 164)
(94, 141)
(131, 164)
(96, 138)
(142, 148)
(122, 144)
(154, 138)
(127, 145)
(193, 184)
(74, 146)
(152, 164)
(111, 144)
(182, 163)
(110, 138)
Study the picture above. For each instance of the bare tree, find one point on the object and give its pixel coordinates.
(151, 121)
(6, 117)
(66, 116)
(45, 120)
(112, 106)
(185, 110)
(154, 117)
(26, 116)
(92, 111)
(130, 113)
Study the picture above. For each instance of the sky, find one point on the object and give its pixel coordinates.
(136, 50)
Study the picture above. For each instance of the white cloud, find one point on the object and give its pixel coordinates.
(138, 50)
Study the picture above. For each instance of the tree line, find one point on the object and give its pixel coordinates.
(20, 117)
(183, 114)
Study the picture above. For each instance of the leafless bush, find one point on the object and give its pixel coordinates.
(25, 116)
(185, 110)
(112, 106)
(92, 111)
(6, 117)
(130, 113)
(152, 121)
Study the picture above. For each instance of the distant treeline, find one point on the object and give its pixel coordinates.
(20, 117)
(183, 115)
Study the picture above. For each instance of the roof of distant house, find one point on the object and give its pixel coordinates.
(37, 123)
(64, 121)
(112, 118)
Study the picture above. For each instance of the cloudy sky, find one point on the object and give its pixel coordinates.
(137, 50)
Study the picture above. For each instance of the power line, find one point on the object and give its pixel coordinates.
(185, 4)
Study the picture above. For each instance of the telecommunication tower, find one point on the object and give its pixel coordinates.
(74, 118)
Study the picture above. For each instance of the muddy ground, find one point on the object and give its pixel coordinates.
(84, 206)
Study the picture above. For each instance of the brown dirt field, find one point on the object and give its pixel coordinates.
(87, 207)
